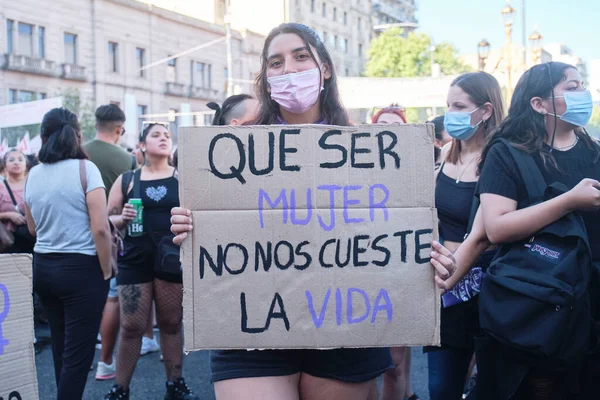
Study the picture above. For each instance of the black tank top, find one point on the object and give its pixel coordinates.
(158, 196)
(453, 202)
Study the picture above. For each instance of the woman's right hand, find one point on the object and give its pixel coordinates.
(181, 224)
(585, 196)
(17, 218)
(128, 213)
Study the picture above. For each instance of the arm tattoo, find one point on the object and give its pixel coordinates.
(130, 297)
(114, 211)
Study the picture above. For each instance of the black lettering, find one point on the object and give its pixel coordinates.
(235, 172)
(290, 258)
(323, 144)
(267, 258)
(304, 254)
(244, 253)
(252, 156)
(384, 250)
(340, 263)
(281, 314)
(322, 254)
(245, 328)
(284, 150)
(403, 246)
(218, 267)
(357, 251)
(389, 150)
(419, 246)
(14, 395)
(359, 150)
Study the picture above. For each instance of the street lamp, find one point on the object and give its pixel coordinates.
(483, 50)
(535, 39)
(508, 17)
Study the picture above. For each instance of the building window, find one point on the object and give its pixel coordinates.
(360, 50)
(9, 35)
(25, 39)
(172, 70)
(334, 14)
(42, 96)
(201, 75)
(345, 46)
(324, 37)
(70, 48)
(25, 96)
(324, 10)
(12, 96)
(41, 42)
(345, 18)
(312, 5)
(113, 56)
(140, 56)
(335, 42)
(358, 23)
(347, 72)
(141, 111)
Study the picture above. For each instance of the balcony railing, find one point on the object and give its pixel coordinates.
(22, 63)
(176, 89)
(205, 93)
(73, 72)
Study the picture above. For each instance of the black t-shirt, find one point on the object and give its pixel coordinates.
(500, 176)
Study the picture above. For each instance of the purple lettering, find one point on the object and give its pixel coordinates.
(349, 316)
(264, 196)
(338, 306)
(348, 202)
(309, 210)
(3, 315)
(387, 306)
(318, 321)
(381, 204)
(332, 189)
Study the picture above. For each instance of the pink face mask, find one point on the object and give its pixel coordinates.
(296, 92)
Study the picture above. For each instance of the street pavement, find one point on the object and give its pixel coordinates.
(149, 379)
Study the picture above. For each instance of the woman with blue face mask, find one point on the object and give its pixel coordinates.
(549, 110)
(474, 110)
(297, 85)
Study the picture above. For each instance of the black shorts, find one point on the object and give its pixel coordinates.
(347, 365)
(137, 265)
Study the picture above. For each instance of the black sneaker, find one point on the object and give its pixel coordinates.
(178, 390)
(117, 393)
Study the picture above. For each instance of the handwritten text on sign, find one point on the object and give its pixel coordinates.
(309, 236)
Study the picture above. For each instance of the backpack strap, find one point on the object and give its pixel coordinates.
(83, 176)
(125, 181)
(532, 177)
(137, 177)
(12, 196)
(474, 207)
(133, 162)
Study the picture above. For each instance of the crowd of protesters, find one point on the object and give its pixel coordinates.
(67, 209)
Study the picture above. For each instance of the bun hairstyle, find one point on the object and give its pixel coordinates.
(229, 110)
(61, 137)
(392, 109)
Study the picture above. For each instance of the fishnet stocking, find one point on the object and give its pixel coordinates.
(169, 314)
(135, 302)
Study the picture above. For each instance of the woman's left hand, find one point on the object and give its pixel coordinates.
(444, 263)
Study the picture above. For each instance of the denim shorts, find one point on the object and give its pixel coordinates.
(112, 291)
(347, 365)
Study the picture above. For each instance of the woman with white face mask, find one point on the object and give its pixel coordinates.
(297, 85)
(474, 110)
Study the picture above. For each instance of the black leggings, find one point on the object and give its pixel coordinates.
(73, 291)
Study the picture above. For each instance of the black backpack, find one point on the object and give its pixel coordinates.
(534, 296)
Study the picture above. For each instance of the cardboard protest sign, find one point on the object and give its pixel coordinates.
(309, 236)
(18, 379)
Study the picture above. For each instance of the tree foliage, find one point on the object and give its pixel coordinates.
(393, 55)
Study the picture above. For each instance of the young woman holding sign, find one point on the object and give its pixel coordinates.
(297, 85)
(143, 275)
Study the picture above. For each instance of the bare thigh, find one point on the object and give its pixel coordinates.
(314, 388)
(263, 388)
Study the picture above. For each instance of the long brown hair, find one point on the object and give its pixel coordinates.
(481, 88)
(331, 107)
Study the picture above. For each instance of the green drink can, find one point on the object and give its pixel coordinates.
(136, 226)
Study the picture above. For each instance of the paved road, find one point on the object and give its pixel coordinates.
(149, 379)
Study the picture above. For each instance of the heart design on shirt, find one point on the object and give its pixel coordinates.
(156, 194)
